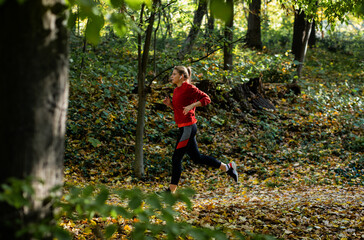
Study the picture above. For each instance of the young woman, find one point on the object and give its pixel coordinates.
(186, 97)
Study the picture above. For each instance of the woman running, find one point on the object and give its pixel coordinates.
(186, 97)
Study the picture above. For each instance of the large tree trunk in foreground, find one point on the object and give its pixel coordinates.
(254, 35)
(33, 101)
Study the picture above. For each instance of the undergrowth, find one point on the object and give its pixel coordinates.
(322, 127)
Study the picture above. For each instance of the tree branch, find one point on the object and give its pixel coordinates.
(192, 61)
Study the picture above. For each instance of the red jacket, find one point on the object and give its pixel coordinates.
(183, 96)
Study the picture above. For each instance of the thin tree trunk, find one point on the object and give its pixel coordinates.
(142, 96)
(195, 29)
(303, 52)
(298, 29)
(33, 101)
(167, 22)
(253, 35)
(83, 52)
(301, 36)
(229, 35)
(78, 21)
(209, 32)
(312, 40)
(155, 45)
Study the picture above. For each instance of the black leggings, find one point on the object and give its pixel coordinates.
(186, 143)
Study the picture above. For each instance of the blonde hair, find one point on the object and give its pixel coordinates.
(185, 71)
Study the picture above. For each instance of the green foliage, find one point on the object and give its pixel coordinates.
(332, 10)
(19, 1)
(350, 43)
(136, 4)
(275, 68)
(359, 10)
(271, 67)
(94, 12)
(90, 201)
(19, 194)
(91, 11)
(221, 9)
(355, 144)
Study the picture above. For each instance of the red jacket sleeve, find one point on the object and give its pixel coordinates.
(200, 96)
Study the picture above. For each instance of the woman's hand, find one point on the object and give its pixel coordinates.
(190, 107)
(187, 109)
(167, 101)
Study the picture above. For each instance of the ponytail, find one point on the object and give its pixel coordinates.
(185, 71)
(189, 78)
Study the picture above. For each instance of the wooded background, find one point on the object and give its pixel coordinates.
(286, 82)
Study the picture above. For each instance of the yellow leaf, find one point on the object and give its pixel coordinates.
(127, 228)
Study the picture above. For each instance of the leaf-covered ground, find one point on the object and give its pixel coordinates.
(298, 212)
(301, 167)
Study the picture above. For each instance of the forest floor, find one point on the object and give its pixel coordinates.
(301, 167)
(295, 211)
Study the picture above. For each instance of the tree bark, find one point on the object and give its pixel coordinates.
(312, 40)
(298, 30)
(301, 35)
(209, 32)
(142, 95)
(33, 100)
(229, 35)
(253, 35)
(303, 52)
(195, 29)
(167, 23)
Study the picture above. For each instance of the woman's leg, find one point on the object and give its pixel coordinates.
(187, 143)
(179, 152)
(194, 153)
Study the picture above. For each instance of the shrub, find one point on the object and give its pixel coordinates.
(90, 201)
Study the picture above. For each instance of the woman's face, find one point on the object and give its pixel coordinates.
(177, 78)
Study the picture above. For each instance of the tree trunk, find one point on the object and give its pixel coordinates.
(195, 29)
(303, 52)
(209, 32)
(253, 35)
(167, 23)
(312, 40)
(298, 30)
(229, 35)
(33, 101)
(142, 95)
(155, 45)
(301, 35)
